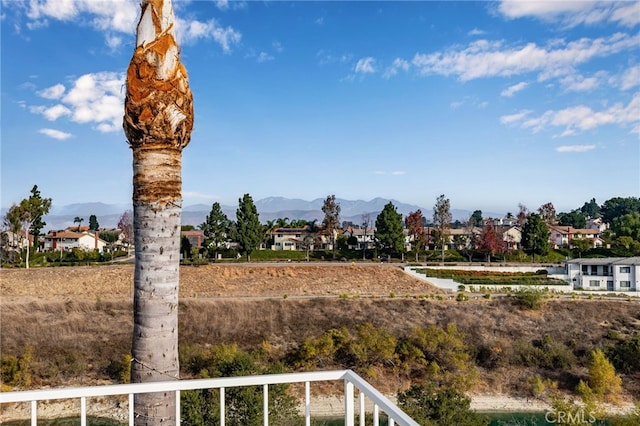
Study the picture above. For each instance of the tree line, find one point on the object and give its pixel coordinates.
(621, 214)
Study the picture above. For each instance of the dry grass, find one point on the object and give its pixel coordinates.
(87, 312)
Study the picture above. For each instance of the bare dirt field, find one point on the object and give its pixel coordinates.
(212, 281)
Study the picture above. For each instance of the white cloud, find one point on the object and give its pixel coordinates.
(53, 92)
(630, 78)
(392, 173)
(573, 13)
(96, 98)
(512, 118)
(398, 64)
(55, 134)
(579, 83)
(120, 16)
(264, 57)
(366, 66)
(512, 90)
(192, 31)
(476, 32)
(582, 118)
(575, 148)
(55, 112)
(483, 58)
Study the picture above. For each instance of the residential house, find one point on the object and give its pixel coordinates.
(597, 224)
(605, 274)
(195, 237)
(67, 240)
(562, 236)
(512, 236)
(292, 238)
(365, 238)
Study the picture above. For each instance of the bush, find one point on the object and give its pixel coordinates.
(625, 355)
(431, 406)
(243, 404)
(531, 298)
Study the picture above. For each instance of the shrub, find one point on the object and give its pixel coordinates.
(625, 355)
(603, 380)
(531, 298)
(16, 371)
(431, 406)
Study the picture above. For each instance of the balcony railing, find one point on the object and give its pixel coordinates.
(351, 382)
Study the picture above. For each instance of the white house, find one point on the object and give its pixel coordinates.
(67, 240)
(605, 274)
(364, 237)
(562, 236)
(292, 238)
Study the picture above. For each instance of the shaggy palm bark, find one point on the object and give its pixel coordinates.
(158, 121)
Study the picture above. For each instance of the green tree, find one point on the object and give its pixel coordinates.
(79, 221)
(580, 245)
(215, 228)
(249, 230)
(619, 206)
(627, 225)
(603, 380)
(574, 218)
(432, 406)
(416, 231)
(29, 213)
(93, 223)
(535, 236)
(388, 234)
(331, 221)
(442, 221)
(591, 209)
(476, 218)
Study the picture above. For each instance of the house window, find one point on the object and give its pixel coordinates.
(625, 269)
(585, 270)
(594, 269)
(594, 283)
(605, 270)
(626, 284)
(609, 284)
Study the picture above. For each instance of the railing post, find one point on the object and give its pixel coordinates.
(362, 410)
(131, 412)
(178, 416)
(391, 422)
(348, 404)
(83, 411)
(376, 415)
(222, 410)
(265, 404)
(307, 404)
(34, 413)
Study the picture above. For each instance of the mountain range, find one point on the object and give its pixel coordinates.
(270, 208)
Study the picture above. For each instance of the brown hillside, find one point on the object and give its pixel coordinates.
(78, 320)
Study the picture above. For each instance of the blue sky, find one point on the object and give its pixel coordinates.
(491, 103)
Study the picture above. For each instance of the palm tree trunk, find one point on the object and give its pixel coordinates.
(158, 121)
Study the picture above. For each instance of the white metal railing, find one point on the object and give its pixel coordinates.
(351, 382)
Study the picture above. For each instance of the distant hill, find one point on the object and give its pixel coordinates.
(270, 208)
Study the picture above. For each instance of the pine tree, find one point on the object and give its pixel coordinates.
(249, 231)
(215, 228)
(389, 234)
(535, 236)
